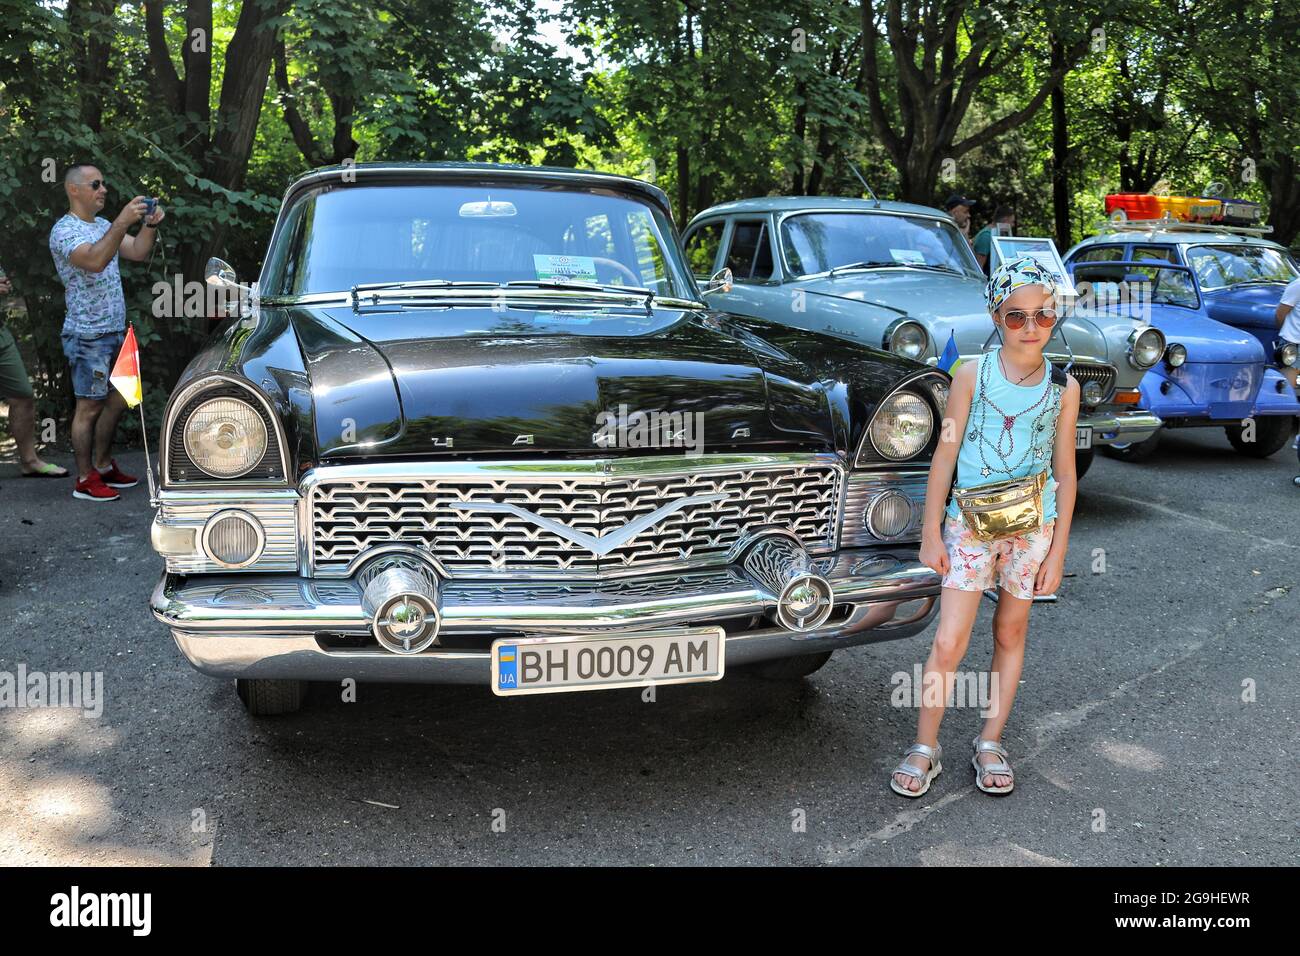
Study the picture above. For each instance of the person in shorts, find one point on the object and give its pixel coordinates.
(1288, 320)
(85, 248)
(16, 392)
(1010, 414)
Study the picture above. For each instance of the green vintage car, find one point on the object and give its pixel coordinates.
(902, 277)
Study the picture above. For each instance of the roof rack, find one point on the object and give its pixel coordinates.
(1176, 225)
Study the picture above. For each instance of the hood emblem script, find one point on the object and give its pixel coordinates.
(598, 546)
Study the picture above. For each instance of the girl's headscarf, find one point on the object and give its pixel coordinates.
(1014, 273)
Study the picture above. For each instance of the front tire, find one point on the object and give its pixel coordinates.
(1082, 461)
(271, 698)
(1271, 433)
(1134, 451)
(790, 668)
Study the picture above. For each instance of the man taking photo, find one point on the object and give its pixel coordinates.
(85, 249)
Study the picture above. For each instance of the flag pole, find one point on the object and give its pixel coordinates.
(148, 466)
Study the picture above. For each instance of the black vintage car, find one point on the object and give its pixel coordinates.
(479, 425)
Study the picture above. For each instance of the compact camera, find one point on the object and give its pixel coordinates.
(150, 207)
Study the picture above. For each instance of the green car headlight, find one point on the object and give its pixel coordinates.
(907, 339)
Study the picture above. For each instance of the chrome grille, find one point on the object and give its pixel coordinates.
(357, 509)
(1103, 375)
(277, 512)
(864, 487)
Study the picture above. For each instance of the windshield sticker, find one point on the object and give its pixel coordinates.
(581, 268)
(910, 257)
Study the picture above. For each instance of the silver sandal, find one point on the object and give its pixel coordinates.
(933, 754)
(1002, 769)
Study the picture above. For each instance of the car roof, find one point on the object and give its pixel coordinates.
(765, 204)
(444, 171)
(1182, 237)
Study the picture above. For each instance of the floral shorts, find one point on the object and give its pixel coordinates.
(973, 562)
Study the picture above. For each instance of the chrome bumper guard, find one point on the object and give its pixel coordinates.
(284, 626)
(1110, 427)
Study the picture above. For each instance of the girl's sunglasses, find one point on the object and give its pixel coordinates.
(1016, 319)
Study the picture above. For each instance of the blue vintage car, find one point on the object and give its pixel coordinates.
(1213, 374)
(901, 277)
(1238, 274)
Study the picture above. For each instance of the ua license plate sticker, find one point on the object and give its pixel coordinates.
(552, 665)
(582, 268)
(1083, 437)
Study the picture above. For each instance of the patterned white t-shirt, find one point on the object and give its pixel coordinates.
(94, 300)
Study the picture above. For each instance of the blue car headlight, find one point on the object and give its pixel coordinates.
(1286, 354)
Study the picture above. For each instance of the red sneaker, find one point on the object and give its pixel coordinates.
(116, 478)
(94, 489)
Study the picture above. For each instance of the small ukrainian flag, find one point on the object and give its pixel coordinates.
(950, 359)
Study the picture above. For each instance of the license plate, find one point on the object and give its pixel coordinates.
(553, 665)
(1083, 437)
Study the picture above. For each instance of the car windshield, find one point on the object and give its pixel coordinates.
(1220, 266)
(1126, 285)
(821, 241)
(342, 236)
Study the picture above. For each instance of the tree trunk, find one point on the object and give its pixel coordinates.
(1060, 154)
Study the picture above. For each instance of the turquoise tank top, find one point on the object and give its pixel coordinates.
(989, 450)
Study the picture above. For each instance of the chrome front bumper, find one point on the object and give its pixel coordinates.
(284, 626)
(1109, 427)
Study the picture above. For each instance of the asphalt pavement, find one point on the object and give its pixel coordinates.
(1156, 723)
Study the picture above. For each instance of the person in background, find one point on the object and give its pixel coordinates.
(958, 207)
(16, 390)
(1288, 320)
(85, 249)
(1003, 224)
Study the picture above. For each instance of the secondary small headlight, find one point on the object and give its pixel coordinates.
(225, 437)
(1176, 355)
(1146, 347)
(907, 339)
(1287, 354)
(234, 539)
(902, 426)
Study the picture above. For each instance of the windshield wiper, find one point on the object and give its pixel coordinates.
(374, 290)
(859, 265)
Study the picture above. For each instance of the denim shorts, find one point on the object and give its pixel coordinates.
(91, 359)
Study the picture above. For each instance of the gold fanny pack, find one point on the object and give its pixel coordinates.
(1003, 508)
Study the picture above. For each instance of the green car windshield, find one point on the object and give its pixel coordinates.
(338, 237)
(817, 242)
(1218, 267)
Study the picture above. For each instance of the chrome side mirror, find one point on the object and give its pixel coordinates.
(720, 281)
(234, 297)
(221, 274)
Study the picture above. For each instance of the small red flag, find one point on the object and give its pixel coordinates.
(126, 370)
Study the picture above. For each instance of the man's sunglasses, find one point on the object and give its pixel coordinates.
(1016, 319)
(94, 184)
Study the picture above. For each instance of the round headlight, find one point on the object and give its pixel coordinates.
(888, 515)
(907, 339)
(233, 538)
(225, 437)
(1092, 393)
(1287, 354)
(902, 426)
(1146, 347)
(1176, 355)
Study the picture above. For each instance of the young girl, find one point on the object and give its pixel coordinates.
(1006, 418)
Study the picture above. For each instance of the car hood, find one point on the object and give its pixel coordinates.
(420, 382)
(948, 304)
(1205, 339)
(1248, 306)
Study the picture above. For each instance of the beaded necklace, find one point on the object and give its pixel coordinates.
(1006, 435)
